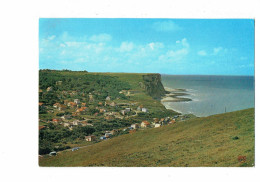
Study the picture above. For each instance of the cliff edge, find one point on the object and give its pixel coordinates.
(153, 85)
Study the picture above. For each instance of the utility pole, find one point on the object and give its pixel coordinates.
(225, 110)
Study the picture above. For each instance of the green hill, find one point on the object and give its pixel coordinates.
(216, 140)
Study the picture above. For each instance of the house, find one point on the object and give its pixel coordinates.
(139, 108)
(49, 89)
(108, 135)
(41, 106)
(66, 124)
(157, 125)
(113, 132)
(81, 110)
(100, 103)
(113, 104)
(144, 109)
(167, 119)
(103, 138)
(155, 120)
(172, 121)
(74, 114)
(59, 83)
(83, 104)
(41, 127)
(76, 101)
(62, 107)
(72, 104)
(56, 121)
(91, 98)
(109, 117)
(127, 109)
(75, 122)
(102, 110)
(56, 105)
(145, 124)
(90, 138)
(135, 126)
(66, 102)
(108, 98)
(66, 117)
(123, 112)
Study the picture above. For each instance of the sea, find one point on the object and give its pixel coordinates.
(211, 94)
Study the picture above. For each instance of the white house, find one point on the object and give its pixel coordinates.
(77, 101)
(90, 138)
(144, 109)
(49, 89)
(157, 125)
(107, 135)
(75, 122)
(66, 124)
(66, 117)
(135, 126)
(144, 124)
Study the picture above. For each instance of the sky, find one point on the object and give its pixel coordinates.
(166, 46)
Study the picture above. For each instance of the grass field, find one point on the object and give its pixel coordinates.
(216, 140)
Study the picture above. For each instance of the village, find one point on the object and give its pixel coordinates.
(83, 110)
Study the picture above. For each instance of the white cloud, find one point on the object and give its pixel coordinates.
(62, 45)
(75, 44)
(166, 26)
(51, 37)
(202, 53)
(185, 43)
(126, 46)
(155, 45)
(178, 53)
(217, 50)
(101, 38)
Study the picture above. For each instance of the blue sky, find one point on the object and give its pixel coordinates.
(167, 46)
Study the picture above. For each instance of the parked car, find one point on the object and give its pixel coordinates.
(75, 148)
(53, 153)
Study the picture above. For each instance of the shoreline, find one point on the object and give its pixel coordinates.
(175, 95)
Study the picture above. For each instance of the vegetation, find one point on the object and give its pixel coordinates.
(81, 82)
(61, 87)
(218, 140)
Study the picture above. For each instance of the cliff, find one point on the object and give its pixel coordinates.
(153, 85)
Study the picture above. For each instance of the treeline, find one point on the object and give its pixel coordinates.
(82, 82)
(57, 135)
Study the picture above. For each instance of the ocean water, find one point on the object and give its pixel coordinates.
(211, 94)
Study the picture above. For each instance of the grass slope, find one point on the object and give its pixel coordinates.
(207, 141)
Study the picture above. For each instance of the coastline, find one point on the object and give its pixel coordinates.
(175, 95)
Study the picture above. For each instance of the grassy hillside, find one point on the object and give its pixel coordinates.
(216, 140)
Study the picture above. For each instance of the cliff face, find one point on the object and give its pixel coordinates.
(153, 85)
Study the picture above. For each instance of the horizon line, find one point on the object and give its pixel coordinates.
(145, 73)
